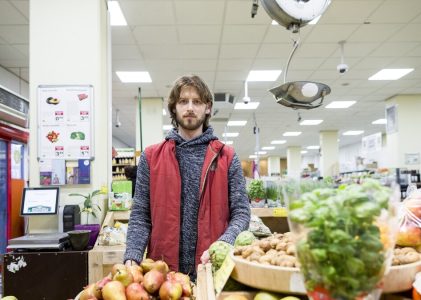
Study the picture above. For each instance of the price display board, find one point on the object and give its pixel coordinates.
(65, 122)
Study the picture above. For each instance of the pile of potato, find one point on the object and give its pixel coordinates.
(403, 256)
(277, 250)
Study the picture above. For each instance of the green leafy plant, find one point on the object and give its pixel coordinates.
(256, 190)
(272, 193)
(89, 207)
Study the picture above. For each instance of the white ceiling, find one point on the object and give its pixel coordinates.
(219, 41)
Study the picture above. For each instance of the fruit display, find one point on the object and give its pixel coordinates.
(403, 256)
(410, 230)
(150, 280)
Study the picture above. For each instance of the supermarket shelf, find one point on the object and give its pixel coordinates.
(270, 212)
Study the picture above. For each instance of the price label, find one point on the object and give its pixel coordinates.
(280, 212)
(223, 274)
(59, 116)
(84, 151)
(84, 115)
(59, 151)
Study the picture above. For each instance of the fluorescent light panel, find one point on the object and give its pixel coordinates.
(278, 142)
(353, 132)
(252, 156)
(379, 122)
(311, 122)
(292, 133)
(263, 75)
(261, 152)
(340, 104)
(230, 134)
(167, 127)
(304, 151)
(313, 147)
(390, 74)
(228, 142)
(237, 123)
(251, 105)
(116, 15)
(134, 76)
(268, 148)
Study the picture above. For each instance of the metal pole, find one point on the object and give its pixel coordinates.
(140, 116)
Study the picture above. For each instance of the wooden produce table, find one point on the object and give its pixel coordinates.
(274, 218)
(102, 258)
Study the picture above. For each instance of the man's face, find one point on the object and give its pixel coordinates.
(190, 110)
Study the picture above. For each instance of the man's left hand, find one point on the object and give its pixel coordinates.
(205, 257)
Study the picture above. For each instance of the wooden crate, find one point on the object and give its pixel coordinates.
(102, 258)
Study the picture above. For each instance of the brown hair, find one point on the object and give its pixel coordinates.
(202, 89)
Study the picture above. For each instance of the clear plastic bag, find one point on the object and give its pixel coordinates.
(409, 234)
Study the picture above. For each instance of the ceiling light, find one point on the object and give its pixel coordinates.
(164, 112)
(353, 132)
(134, 76)
(268, 148)
(311, 122)
(313, 147)
(250, 105)
(340, 104)
(292, 133)
(304, 151)
(236, 123)
(228, 142)
(263, 75)
(314, 21)
(260, 152)
(278, 142)
(253, 156)
(230, 134)
(116, 15)
(274, 22)
(379, 122)
(167, 127)
(390, 74)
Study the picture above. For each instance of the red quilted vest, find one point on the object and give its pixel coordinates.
(165, 192)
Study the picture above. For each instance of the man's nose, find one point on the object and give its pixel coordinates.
(190, 105)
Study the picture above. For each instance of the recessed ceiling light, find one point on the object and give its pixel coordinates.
(230, 134)
(228, 142)
(313, 147)
(236, 123)
(263, 75)
(353, 132)
(164, 112)
(340, 104)
(274, 22)
(116, 15)
(390, 74)
(167, 127)
(253, 156)
(260, 152)
(134, 76)
(278, 142)
(304, 151)
(292, 133)
(250, 105)
(311, 122)
(314, 21)
(379, 122)
(268, 148)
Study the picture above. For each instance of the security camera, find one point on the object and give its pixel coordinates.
(118, 124)
(342, 68)
(246, 100)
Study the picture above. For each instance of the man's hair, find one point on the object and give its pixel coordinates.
(202, 89)
(130, 172)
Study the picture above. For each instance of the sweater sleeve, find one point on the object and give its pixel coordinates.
(139, 228)
(238, 202)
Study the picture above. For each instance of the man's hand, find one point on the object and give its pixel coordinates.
(130, 263)
(205, 257)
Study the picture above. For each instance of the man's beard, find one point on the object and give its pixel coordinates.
(190, 124)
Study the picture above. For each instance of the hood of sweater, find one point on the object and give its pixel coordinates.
(204, 138)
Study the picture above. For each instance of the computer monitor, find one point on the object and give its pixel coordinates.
(39, 201)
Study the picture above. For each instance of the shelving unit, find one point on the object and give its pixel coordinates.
(125, 157)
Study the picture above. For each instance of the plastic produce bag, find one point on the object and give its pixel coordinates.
(257, 227)
(410, 221)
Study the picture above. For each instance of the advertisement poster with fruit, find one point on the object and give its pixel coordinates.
(65, 122)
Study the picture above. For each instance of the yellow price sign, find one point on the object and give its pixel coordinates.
(280, 212)
(223, 274)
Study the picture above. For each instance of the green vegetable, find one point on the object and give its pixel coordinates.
(256, 190)
(342, 252)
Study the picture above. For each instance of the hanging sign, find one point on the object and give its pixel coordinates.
(65, 122)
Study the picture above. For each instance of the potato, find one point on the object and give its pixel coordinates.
(255, 256)
(265, 245)
(247, 252)
(281, 246)
(291, 249)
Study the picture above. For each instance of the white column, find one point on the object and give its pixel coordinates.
(294, 162)
(329, 150)
(274, 166)
(151, 120)
(69, 44)
(404, 144)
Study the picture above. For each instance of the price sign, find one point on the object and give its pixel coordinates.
(280, 212)
(223, 274)
(84, 115)
(59, 116)
(59, 152)
(84, 151)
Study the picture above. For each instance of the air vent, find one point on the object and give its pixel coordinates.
(13, 108)
(223, 98)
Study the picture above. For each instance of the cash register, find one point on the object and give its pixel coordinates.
(38, 202)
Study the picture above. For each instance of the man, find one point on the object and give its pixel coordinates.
(190, 189)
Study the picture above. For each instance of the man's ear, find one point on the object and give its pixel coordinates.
(208, 109)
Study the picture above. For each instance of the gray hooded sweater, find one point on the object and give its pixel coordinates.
(190, 155)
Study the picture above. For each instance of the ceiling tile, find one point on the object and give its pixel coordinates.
(24, 49)
(328, 33)
(196, 65)
(243, 34)
(199, 12)
(160, 51)
(128, 65)
(349, 11)
(9, 15)
(407, 33)
(238, 51)
(238, 12)
(392, 11)
(150, 12)
(315, 50)
(125, 52)
(394, 49)
(230, 76)
(155, 35)
(199, 51)
(122, 35)
(206, 34)
(234, 64)
(374, 32)
(274, 51)
(10, 53)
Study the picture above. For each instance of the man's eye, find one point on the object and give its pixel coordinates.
(182, 101)
(197, 102)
